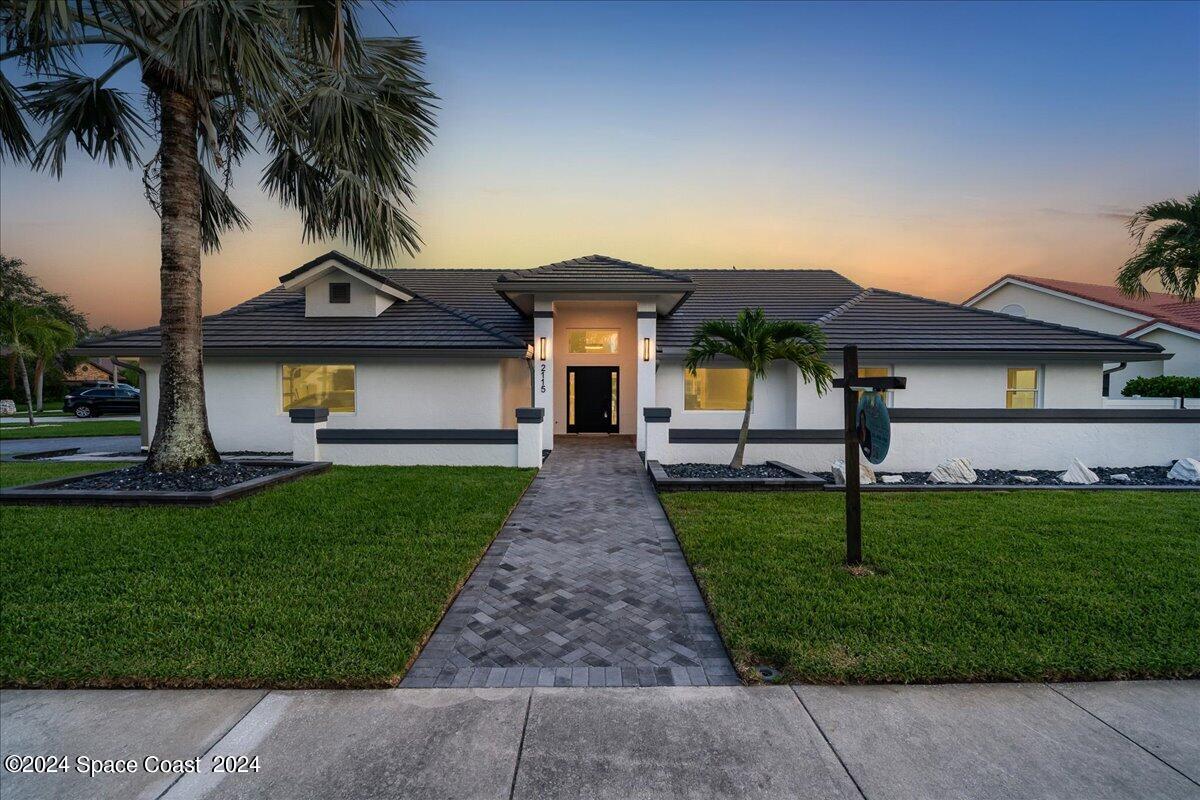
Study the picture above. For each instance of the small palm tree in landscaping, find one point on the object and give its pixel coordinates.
(28, 331)
(756, 341)
(1171, 250)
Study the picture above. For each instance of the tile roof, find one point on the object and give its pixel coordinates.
(595, 269)
(460, 309)
(1162, 307)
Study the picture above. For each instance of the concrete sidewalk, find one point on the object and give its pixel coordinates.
(1096, 741)
(86, 444)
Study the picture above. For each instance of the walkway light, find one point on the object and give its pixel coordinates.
(542, 349)
(646, 349)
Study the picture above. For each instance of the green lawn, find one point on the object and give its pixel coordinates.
(332, 580)
(51, 430)
(969, 586)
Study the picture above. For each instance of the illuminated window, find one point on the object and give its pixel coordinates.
(328, 386)
(877, 372)
(591, 340)
(715, 389)
(1022, 388)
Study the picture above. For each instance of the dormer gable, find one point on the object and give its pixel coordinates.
(336, 285)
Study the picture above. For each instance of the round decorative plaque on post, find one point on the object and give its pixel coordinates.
(874, 426)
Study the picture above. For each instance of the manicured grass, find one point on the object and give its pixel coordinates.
(332, 580)
(54, 430)
(972, 586)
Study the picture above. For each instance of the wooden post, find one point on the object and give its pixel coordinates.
(853, 490)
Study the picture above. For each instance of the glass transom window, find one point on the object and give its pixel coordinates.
(591, 340)
(877, 372)
(1022, 388)
(715, 389)
(328, 386)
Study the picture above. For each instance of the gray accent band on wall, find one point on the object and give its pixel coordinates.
(309, 414)
(531, 414)
(647, 315)
(414, 436)
(543, 315)
(656, 414)
(1101, 415)
(761, 436)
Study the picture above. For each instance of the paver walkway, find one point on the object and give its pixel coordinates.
(584, 586)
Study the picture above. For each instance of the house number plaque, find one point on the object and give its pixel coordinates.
(543, 388)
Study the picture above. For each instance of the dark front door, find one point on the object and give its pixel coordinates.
(593, 395)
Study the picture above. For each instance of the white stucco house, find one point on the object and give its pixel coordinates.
(433, 365)
(1160, 318)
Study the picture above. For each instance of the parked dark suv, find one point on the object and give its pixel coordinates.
(93, 402)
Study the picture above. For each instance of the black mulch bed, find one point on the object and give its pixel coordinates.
(725, 471)
(204, 479)
(1138, 476)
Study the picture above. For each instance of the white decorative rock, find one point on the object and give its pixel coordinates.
(954, 470)
(1121, 476)
(892, 479)
(1079, 473)
(865, 473)
(1185, 469)
(8, 408)
(1025, 478)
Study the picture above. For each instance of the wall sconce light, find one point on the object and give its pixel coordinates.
(542, 348)
(646, 349)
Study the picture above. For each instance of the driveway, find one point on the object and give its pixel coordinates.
(1101, 741)
(584, 586)
(86, 444)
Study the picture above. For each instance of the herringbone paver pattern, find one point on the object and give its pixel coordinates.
(584, 586)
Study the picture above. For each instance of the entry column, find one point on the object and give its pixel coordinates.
(647, 344)
(543, 366)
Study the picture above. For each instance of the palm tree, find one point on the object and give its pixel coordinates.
(756, 341)
(25, 331)
(343, 118)
(1171, 250)
(47, 343)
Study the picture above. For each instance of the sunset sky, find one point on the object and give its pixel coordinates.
(922, 148)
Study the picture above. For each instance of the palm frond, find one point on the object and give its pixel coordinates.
(1170, 251)
(77, 108)
(217, 213)
(15, 141)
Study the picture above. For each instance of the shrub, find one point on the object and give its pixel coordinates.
(1163, 386)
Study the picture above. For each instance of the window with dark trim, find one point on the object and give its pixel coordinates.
(339, 293)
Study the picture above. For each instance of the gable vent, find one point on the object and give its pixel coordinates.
(339, 293)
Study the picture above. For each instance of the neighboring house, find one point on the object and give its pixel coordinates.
(1160, 319)
(594, 341)
(93, 370)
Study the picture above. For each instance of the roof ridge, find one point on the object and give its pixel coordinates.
(471, 319)
(1038, 322)
(839, 310)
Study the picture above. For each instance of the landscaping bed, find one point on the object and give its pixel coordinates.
(327, 582)
(960, 586)
(1137, 476)
(772, 476)
(135, 485)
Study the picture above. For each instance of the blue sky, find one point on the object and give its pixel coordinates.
(922, 147)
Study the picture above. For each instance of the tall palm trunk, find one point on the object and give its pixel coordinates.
(740, 451)
(25, 381)
(181, 437)
(39, 376)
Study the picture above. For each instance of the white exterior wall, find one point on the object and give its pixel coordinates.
(245, 399)
(785, 401)
(919, 446)
(1185, 348)
(364, 300)
(404, 455)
